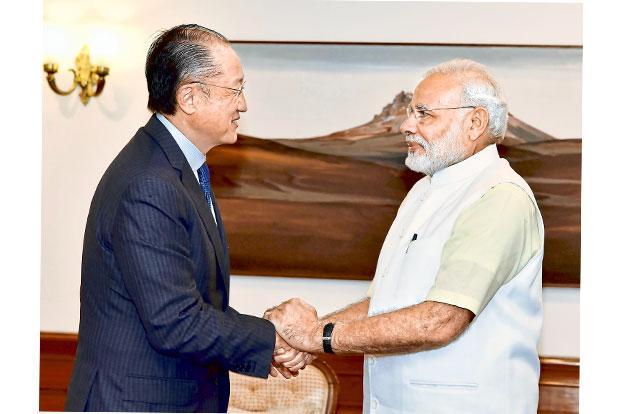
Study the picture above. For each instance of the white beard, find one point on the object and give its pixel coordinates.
(439, 154)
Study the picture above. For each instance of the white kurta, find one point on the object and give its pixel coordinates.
(493, 367)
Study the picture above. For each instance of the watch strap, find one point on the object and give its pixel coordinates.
(327, 338)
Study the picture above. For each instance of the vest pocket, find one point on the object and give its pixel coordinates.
(417, 272)
(461, 397)
(444, 385)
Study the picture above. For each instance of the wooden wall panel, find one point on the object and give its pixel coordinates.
(558, 389)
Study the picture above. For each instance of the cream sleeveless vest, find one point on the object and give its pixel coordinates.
(493, 367)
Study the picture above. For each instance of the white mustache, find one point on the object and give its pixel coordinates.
(412, 138)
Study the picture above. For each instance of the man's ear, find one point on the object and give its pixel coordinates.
(187, 99)
(478, 125)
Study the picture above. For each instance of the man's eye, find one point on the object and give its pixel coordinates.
(422, 113)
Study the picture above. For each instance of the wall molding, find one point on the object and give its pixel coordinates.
(559, 383)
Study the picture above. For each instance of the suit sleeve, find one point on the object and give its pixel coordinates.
(152, 247)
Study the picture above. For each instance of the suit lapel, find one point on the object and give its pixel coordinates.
(224, 242)
(198, 198)
(174, 154)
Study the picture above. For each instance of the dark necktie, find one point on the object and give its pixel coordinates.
(203, 179)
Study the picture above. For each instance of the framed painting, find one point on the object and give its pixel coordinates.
(316, 177)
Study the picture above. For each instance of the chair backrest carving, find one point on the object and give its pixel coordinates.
(314, 391)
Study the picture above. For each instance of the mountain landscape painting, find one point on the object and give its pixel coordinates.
(320, 207)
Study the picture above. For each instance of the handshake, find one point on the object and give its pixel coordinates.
(298, 336)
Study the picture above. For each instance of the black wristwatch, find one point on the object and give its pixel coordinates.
(327, 338)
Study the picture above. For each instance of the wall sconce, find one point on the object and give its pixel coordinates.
(90, 78)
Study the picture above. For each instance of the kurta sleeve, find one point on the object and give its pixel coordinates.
(491, 241)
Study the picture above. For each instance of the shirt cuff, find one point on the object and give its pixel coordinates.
(456, 299)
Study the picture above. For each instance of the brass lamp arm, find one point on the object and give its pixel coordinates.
(100, 76)
(51, 80)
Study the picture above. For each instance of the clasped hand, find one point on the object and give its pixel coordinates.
(298, 336)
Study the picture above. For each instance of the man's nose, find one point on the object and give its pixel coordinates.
(241, 103)
(409, 125)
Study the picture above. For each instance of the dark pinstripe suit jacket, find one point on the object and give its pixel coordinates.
(156, 330)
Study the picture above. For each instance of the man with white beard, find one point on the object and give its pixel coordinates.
(454, 313)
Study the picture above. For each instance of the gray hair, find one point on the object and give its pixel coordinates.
(180, 54)
(479, 89)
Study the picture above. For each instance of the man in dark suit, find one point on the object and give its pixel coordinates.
(156, 329)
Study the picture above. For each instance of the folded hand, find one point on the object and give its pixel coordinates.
(296, 321)
(287, 360)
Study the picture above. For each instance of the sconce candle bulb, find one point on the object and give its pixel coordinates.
(91, 79)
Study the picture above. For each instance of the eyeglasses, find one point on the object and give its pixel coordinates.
(237, 91)
(422, 112)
